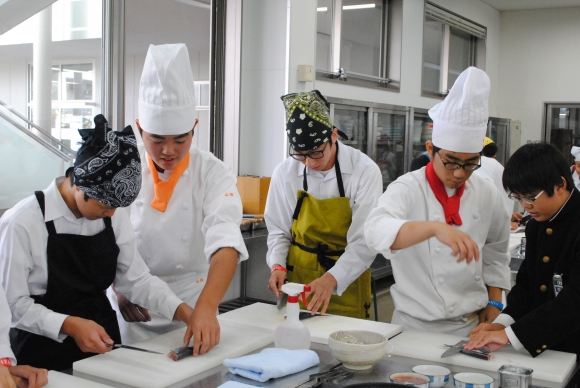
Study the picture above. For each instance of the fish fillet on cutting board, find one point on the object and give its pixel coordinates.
(550, 365)
(147, 370)
(267, 316)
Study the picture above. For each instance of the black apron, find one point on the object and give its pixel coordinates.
(80, 269)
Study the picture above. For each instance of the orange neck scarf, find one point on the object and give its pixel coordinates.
(164, 189)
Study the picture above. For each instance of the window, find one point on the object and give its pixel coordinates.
(451, 44)
(73, 100)
(359, 42)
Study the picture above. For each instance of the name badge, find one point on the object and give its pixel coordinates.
(557, 282)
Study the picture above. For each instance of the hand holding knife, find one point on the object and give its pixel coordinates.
(482, 353)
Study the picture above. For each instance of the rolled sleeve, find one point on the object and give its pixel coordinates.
(278, 216)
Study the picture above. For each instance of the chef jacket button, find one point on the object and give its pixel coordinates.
(477, 277)
(543, 288)
(179, 266)
(546, 259)
(436, 218)
(538, 351)
(437, 250)
(451, 309)
(441, 281)
(139, 203)
(138, 235)
(479, 304)
(186, 173)
(145, 169)
(475, 216)
(185, 238)
(184, 206)
(544, 346)
(549, 231)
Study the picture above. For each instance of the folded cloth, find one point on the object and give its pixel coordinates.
(271, 363)
(234, 384)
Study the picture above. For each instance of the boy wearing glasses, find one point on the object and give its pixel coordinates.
(430, 220)
(542, 309)
(318, 201)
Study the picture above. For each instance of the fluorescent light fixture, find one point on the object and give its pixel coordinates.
(358, 6)
(322, 9)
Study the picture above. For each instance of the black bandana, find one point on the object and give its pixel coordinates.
(107, 167)
(307, 120)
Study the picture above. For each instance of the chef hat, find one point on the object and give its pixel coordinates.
(460, 121)
(487, 141)
(575, 153)
(166, 91)
(307, 120)
(107, 167)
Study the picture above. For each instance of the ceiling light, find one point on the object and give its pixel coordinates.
(322, 9)
(358, 6)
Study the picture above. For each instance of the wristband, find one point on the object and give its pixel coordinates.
(495, 303)
(5, 362)
(278, 267)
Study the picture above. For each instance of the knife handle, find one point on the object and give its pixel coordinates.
(482, 356)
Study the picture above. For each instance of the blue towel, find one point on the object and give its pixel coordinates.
(271, 363)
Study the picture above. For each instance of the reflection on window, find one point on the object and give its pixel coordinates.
(356, 36)
(451, 44)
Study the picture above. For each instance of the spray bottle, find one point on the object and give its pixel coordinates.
(292, 334)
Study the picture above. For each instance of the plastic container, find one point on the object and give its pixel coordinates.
(292, 334)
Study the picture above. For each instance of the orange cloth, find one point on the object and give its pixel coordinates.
(164, 189)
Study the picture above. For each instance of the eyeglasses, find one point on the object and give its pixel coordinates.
(312, 155)
(456, 166)
(528, 200)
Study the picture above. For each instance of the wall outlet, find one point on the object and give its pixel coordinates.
(305, 73)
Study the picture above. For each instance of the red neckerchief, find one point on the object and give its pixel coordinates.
(450, 204)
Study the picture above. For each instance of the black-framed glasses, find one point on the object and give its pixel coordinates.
(312, 155)
(528, 200)
(456, 166)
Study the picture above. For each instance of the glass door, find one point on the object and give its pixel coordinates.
(389, 143)
(562, 127)
(498, 130)
(352, 120)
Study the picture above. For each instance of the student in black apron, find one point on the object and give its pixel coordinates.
(79, 266)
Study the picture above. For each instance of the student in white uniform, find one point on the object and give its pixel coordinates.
(316, 236)
(575, 169)
(61, 248)
(187, 216)
(429, 221)
(11, 375)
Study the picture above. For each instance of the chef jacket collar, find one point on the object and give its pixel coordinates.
(346, 166)
(55, 206)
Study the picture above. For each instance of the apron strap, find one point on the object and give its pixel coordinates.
(321, 252)
(338, 174)
(50, 224)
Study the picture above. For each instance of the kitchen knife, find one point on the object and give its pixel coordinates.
(483, 353)
(282, 299)
(117, 346)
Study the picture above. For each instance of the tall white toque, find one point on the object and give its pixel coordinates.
(166, 91)
(575, 151)
(460, 121)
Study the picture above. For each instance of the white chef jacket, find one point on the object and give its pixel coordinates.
(362, 186)
(575, 178)
(492, 170)
(5, 350)
(203, 215)
(23, 262)
(432, 290)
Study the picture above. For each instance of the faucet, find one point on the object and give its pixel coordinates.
(522, 249)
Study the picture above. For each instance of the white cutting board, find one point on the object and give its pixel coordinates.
(147, 370)
(550, 365)
(61, 380)
(267, 316)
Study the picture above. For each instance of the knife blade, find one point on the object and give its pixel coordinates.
(482, 353)
(282, 299)
(117, 346)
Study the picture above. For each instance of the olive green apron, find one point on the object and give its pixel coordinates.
(318, 239)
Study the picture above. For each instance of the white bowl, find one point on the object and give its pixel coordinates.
(438, 375)
(357, 349)
(472, 380)
(409, 378)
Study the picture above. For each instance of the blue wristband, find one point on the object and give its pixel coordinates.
(495, 303)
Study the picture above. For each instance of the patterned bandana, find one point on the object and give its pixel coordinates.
(108, 167)
(307, 120)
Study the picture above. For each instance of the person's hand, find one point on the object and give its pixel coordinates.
(460, 243)
(28, 377)
(321, 290)
(132, 312)
(89, 335)
(489, 314)
(515, 220)
(204, 327)
(6, 380)
(277, 280)
(491, 339)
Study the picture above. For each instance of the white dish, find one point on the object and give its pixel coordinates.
(410, 378)
(438, 375)
(472, 380)
(357, 349)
